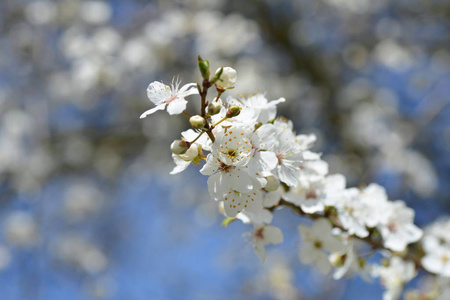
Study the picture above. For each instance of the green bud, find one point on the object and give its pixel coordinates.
(179, 147)
(203, 65)
(197, 122)
(233, 111)
(214, 108)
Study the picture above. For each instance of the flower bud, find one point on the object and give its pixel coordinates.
(227, 79)
(203, 65)
(233, 111)
(214, 108)
(179, 147)
(272, 184)
(197, 122)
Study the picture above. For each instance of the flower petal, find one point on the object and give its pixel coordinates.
(188, 89)
(158, 92)
(177, 106)
(181, 164)
(150, 111)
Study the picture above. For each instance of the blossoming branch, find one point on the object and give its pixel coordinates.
(256, 164)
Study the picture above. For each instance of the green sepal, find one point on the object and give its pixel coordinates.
(217, 76)
(196, 160)
(227, 221)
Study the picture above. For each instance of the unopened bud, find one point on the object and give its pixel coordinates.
(272, 184)
(214, 108)
(233, 111)
(197, 122)
(179, 147)
(227, 78)
(203, 65)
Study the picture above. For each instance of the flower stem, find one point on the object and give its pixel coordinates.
(187, 114)
(197, 137)
(218, 96)
(214, 125)
(203, 91)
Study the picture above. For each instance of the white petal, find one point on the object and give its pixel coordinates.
(232, 205)
(265, 136)
(262, 216)
(312, 206)
(305, 232)
(308, 253)
(323, 264)
(433, 263)
(268, 160)
(271, 199)
(272, 235)
(238, 180)
(189, 134)
(288, 175)
(321, 226)
(332, 244)
(177, 106)
(214, 187)
(181, 164)
(260, 250)
(188, 89)
(150, 111)
(211, 165)
(158, 92)
(335, 182)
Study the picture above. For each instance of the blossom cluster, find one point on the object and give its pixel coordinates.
(256, 164)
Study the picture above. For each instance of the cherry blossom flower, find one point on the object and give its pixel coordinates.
(266, 110)
(399, 230)
(395, 276)
(224, 178)
(171, 96)
(316, 240)
(264, 235)
(351, 211)
(437, 249)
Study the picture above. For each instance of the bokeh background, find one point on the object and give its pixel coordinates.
(88, 210)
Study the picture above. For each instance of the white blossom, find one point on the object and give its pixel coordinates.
(351, 212)
(263, 236)
(399, 230)
(171, 96)
(394, 276)
(316, 240)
